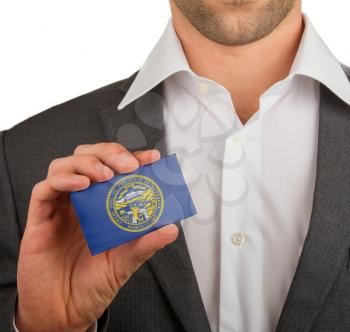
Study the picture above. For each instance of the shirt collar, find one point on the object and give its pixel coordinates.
(313, 60)
(166, 58)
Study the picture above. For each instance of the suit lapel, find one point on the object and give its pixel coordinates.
(140, 126)
(173, 269)
(328, 236)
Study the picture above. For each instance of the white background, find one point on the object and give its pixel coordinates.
(52, 51)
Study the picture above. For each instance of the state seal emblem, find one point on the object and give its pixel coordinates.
(135, 203)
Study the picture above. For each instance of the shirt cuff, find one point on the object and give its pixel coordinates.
(92, 328)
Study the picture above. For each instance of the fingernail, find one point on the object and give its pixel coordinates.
(77, 178)
(155, 154)
(124, 160)
(127, 158)
(80, 181)
(105, 170)
(168, 231)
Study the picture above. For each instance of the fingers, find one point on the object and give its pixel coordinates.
(127, 258)
(90, 163)
(147, 157)
(89, 166)
(97, 162)
(146, 246)
(113, 155)
(50, 189)
(118, 157)
(46, 192)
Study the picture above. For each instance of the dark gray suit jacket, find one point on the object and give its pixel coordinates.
(163, 294)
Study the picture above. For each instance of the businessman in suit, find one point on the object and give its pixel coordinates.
(258, 111)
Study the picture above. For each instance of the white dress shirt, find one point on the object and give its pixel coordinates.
(252, 184)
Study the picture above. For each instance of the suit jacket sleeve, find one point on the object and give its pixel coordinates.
(9, 245)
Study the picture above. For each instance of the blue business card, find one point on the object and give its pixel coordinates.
(133, 204)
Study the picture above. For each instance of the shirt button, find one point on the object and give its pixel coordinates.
(203, 87)
(239, 140)
(238, 239)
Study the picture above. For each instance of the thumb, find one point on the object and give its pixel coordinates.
(127, 258)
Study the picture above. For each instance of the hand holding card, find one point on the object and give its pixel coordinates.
(134, 204)
(54, 253)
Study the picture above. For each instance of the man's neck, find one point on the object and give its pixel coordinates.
(245, 71)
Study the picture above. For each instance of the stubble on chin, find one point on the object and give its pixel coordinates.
(235, 22)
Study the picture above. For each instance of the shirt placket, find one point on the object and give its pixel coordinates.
(241, 238)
